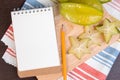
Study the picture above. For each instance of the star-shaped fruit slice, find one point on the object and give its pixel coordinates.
(94, 36)
(78, 48)
(108, 29)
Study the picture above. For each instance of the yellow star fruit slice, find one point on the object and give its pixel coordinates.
(94, 36)
(80, 13)
(78, 48)
(108, 29)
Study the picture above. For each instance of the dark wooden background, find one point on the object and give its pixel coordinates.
(8, 72)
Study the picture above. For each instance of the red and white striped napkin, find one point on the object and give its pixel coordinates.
(9, 55)
(95, 68)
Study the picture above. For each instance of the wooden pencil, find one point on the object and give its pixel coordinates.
(64, 62)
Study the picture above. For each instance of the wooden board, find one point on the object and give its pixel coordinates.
(72, 29)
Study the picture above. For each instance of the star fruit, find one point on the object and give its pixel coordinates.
(93, 35)
(108, 29)
(78, 48)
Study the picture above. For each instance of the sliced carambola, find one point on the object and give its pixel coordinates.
(108, 29)
(78, 48)
(93, 35)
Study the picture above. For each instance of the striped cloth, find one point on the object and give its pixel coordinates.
(113, 8)
(96, 68)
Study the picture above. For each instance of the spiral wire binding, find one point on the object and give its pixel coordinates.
(23, 11)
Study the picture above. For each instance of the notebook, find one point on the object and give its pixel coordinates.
(35, 41)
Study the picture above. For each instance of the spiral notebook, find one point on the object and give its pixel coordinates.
(35, 41)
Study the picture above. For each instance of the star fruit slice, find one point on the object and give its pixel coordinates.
(94, 36)
(80, 13)
(78, 48)
(108, 29)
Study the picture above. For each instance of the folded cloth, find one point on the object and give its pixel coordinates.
(9, 55)
(96, 68)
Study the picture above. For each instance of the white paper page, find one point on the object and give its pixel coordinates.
(35, 39)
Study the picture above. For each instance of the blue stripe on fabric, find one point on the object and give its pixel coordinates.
(112, 51)
(35, 3)
(106, 56)
(101, 62)
(26, 7)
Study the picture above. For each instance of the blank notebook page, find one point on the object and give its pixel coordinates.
(35, 39)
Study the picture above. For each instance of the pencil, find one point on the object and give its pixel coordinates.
(64, 65)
